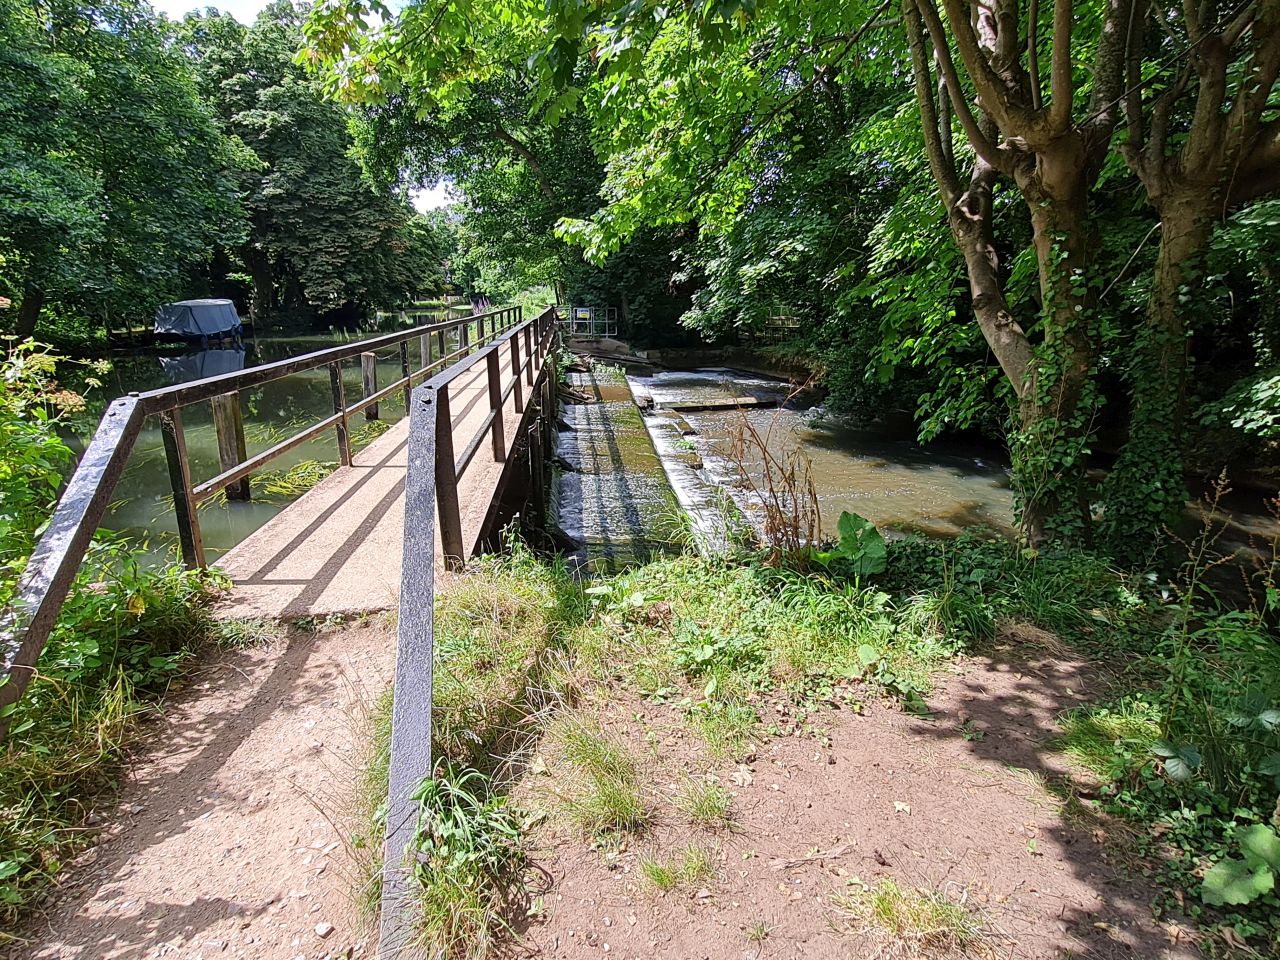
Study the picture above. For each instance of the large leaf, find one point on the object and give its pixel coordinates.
(1234, 882)
(1261, 847)
(1180, 760)
(861, 544)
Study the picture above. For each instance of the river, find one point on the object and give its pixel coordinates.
(611, 498)
(143, 504)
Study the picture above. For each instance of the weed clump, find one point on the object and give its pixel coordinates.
(468, 865)
(695, 864)
(597, 785)
(498, 630)
(706, 804)
(904, 922)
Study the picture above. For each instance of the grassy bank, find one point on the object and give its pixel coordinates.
(739, 654)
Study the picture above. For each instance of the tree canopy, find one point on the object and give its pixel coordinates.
(143, 161)
(1020, 198)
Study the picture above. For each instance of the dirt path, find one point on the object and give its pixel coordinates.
(955, 803)
(230, 836)
(224, 843)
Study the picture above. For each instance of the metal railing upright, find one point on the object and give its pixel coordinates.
(431, 484)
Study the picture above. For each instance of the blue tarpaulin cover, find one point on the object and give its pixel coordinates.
(198, 318)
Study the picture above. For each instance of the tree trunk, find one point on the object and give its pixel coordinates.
(1145, 491)
(29, 312)
(1052, 446)
(262, 300)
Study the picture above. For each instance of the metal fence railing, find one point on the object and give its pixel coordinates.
(590, 322)
(26, 624)
(431, 497)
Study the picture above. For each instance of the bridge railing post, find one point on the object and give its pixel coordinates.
(528, 353)
(495, 406)
(447, 485)
(517, 384)
(442, 345)
(184, 504)
(228, 425)
(404, 372)
(424, 350)
(369, 379)
(341, 428)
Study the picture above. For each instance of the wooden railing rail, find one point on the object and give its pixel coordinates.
(431, 496)
(25, 625)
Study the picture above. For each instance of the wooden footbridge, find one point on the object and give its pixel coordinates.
(378, 533)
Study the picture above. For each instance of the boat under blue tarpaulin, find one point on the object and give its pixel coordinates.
(198, 319)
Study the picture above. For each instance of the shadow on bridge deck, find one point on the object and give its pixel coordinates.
(337, 549)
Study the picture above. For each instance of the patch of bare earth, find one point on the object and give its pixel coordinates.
(954, 803)
(228, 839)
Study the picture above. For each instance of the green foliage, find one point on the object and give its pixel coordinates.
(33, 457)
(321, 238)
(1235, 882)
(468, 863)
(111, 141)
(860, 550)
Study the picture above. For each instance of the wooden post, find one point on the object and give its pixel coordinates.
(464, 334)
(184, 505)
(339, 391)
(228, 424)
(515, 374)
(447, 485)
(528, 352)
(424, 350)
(537, 491)
(441, 345)
(369, 377)
(404, 373)
(495, 404)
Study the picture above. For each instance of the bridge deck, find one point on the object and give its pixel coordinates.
(337, 549)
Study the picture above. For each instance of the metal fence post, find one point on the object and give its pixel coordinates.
(516, 383)
(495, 404)
(369, 377)
(410, 758)
(184, 505)
(447, 485)
(404, 373)
(339, 391)
(228, 424)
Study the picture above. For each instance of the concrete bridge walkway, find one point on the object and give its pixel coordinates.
(337, 549)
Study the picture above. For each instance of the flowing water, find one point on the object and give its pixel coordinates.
(610, 494)
(143, 504)
(895, 483)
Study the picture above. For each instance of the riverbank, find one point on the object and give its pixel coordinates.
(708, 756)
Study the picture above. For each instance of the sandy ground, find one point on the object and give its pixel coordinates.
(228, 838)
(928, 802)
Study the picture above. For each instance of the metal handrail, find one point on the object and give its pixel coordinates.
(431, 496)
(26, 624)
